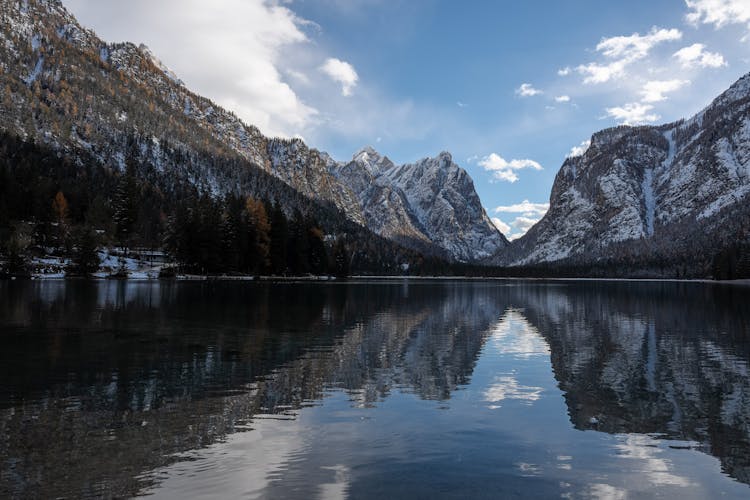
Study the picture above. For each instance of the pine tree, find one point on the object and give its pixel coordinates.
(207, 227)
(125, 209)
(16, 252)
(318, 257)
(278, 246)
(340, 259)
(298, 245)
(85, 257)
(177, 240)
(233, 237)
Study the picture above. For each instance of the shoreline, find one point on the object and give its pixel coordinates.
(365, 278)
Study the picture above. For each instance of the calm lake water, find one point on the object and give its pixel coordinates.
(401, 389)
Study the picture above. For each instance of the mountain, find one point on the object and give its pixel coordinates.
(651, 195)
(432, 201)
(65, 88)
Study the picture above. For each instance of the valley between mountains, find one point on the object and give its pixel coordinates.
(103, 147)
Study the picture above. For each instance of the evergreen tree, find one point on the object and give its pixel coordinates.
(298, 245)
(125, 207)
(98, 215)
(16, 252)
(233, 235)
(178, 237)
(340, 259)
(257, 257)
(207, 227)
(278, 243)
(85, 259)
(317, 257)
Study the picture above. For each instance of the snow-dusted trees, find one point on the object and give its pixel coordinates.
(144, 207)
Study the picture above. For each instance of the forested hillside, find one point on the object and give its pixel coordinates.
(53, 205)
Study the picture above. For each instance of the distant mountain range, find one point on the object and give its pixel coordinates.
(647, 198)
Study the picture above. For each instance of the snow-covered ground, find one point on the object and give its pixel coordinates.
(138, 264)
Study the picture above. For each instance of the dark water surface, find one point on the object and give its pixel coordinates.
(374, 390)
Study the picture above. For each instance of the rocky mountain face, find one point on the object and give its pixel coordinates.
(64, 87)
(651, 192)
(432, 201)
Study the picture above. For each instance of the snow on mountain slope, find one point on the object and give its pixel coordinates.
(635, 186)
(65, 87)
(431, 201)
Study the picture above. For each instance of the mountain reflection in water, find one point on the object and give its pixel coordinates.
(371, 389)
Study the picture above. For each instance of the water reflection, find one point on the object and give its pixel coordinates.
(104, 381)
(387, 389)
(666, 359)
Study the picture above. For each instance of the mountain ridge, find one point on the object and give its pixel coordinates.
(433, 200)
(646, 191)
(104, 97)
(643, 196)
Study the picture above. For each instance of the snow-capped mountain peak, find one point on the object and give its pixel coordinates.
(432, 201)
(372, 161)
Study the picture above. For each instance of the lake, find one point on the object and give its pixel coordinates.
(374, 389)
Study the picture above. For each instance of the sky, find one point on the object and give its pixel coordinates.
(509, 88)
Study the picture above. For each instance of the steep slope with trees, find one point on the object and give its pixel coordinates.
(117, 103)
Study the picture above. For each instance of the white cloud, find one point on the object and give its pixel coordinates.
(624, 51)
(718, 12)
(633, 114)
(579, 150)
(635, 46)
(527, 90)
(461, 104)
(562, 98)
(564, 71)
(531, 213)
(602, 73)
(519, 227)
(244, 41)
(523, 224)
(504, 170)
(341, 72)
(696, 56)
(654, 91)
(501, 226)
(298, 76)
(525, 207)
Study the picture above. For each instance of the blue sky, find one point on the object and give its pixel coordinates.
(508, 87)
